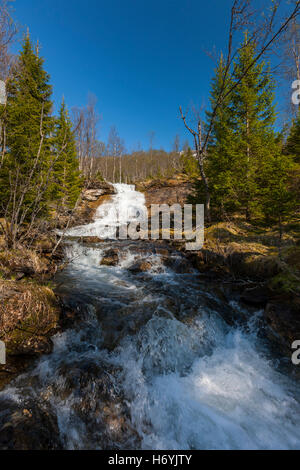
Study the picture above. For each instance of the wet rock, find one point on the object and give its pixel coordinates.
(83, 215)
(140, 266)
(27, 427)
(283, 318)
(91, 240)
(179, 264)
(257, 296)
(90, 390)
(110, 258)
(14, 366)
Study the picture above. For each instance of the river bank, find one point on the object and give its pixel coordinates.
(154, 352)
(263, 269)
(245, 257)
(235, 251)
(31, 312)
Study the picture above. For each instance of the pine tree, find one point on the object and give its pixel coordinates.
(278, 198)
(221, 156)
(292, 146)
(29, 124)
(67, 181)
(253, 120)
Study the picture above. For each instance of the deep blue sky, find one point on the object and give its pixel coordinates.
(142, 59)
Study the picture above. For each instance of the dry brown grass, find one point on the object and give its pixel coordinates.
(254, 252)
(24, 261)
(27, 313)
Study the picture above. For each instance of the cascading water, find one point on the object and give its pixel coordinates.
(150, 361)
(122, 208)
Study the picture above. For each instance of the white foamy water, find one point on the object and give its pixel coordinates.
(229, 398)
(125, 206)
(153, 364)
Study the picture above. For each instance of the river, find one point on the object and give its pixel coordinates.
(156, 359)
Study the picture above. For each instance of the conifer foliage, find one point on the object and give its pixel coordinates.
(246, 167)
(67, 180)
(39, 169)
(292, 146)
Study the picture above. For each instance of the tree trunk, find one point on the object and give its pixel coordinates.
(206, 186)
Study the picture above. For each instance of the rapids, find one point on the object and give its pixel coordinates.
(155, 359)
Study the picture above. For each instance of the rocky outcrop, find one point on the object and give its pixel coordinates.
(168, 191)
(98, 403)
(92, 194)
(92, 197)
(106, 187)
(257, 295)
(94, 191)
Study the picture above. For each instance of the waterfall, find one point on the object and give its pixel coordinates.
(123, 207)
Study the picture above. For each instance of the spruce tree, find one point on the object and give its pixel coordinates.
(29, 124)
(278, 198)
(292, 146)
(221, 155)
(67, 181)
(253, 120)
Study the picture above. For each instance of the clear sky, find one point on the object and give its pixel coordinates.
(142, 59)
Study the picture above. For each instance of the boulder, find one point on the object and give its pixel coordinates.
(32, 427)
(180, 265)
(282, 314)
(257, 296)
(140, 266)
(110, 258)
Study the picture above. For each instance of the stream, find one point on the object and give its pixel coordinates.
(154, 359)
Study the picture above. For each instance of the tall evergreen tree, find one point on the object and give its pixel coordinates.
(67, 181)
(221, 150)
(278, 197)
(292, 146)
(253, 120)
(29, 124)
